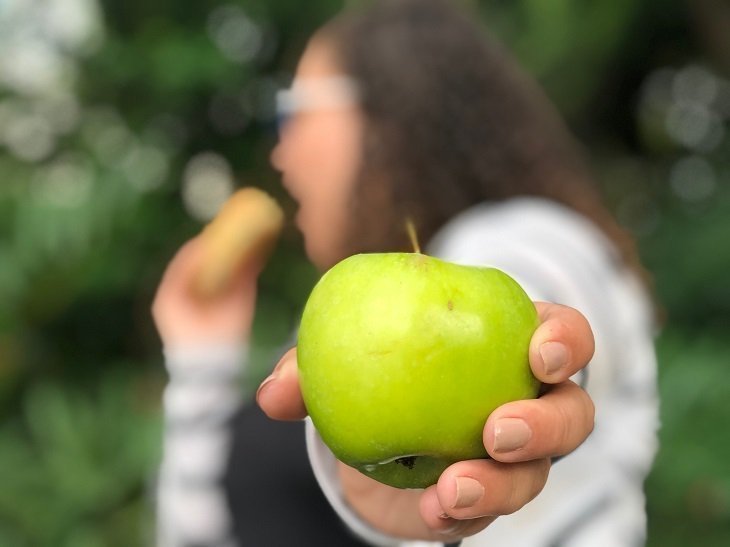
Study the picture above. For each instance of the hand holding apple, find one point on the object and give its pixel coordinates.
(526, 434)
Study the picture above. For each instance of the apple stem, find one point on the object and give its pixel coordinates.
(411, 229)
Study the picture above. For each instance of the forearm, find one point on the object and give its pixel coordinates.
(199, 400)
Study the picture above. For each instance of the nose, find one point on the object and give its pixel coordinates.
(277, 153)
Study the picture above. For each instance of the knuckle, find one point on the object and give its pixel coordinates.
(590, 414)
(511, 499)
(562, 420)
(555, 329)
(583, 329)
(572, 320)
(576, 420)
(540, 477)
(563, 432)
(524, 485)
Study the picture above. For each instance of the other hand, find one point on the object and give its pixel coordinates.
(182, 317)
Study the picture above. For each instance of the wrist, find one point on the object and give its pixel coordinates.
(222, 357)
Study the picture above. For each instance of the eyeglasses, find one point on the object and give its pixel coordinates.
(307, 94)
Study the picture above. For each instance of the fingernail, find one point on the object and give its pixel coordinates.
(511, 434)
(454, 529)
(554, 356)
(454, 525)
(273, 376)
(468, 492)
(265, 383)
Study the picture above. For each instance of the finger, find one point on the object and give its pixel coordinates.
(182, 266)
(176, 275)
(553, 425)
(244, 275)
(186, 258)
(443, 527)
(279, 395)
(562, 344)
(485, 488)
(243, 284)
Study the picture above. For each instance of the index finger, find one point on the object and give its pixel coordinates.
(183, 264)
(562, 345)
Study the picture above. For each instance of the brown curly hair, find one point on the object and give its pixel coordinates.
(451, 121)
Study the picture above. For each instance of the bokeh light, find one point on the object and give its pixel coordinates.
(695, 84)
(107, 135)
(235, 34)
(693, 178)
(207, 183)
(145, 167)
(694, 126)
(67, 182)
(29, 137)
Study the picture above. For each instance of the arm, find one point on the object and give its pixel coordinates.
(204, 345)
(199, 400)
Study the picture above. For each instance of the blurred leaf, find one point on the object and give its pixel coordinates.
(690, 482)
(82, 456)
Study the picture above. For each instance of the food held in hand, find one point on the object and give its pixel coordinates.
(402, 357)
(245, 229)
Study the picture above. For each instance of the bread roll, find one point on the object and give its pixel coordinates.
(245, 228)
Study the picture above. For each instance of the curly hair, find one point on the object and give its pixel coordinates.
(451, 121)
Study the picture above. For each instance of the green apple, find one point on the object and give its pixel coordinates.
(402, 357)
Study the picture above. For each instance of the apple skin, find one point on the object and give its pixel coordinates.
(402, 357)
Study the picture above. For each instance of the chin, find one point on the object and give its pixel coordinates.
(314, 253)
(321, 256)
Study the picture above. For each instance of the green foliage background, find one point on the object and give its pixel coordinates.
(88, 223)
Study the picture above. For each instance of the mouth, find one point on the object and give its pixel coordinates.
(289, 187)
(286, 183)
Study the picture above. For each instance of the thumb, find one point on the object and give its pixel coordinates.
(279, 395)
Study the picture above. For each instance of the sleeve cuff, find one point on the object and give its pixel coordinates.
(209, 360)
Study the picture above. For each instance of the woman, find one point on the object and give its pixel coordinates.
(407, 110)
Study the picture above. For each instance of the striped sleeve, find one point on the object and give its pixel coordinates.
(200, 399)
